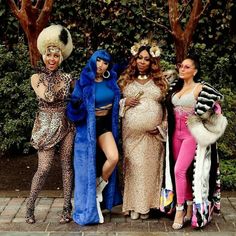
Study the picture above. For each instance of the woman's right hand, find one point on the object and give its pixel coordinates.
(131, 102)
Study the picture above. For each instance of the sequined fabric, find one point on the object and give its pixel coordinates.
(143, 152)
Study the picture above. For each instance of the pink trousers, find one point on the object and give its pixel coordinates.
(184, 146)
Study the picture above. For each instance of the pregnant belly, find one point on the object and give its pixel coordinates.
(143, 117)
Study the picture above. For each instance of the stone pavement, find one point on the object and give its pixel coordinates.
(49, 205)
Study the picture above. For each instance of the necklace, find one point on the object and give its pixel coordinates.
(98, 79)
(142, 77)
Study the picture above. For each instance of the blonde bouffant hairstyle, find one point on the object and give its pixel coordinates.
(55, 36)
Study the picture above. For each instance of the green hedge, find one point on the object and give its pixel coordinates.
(115, 25)
(17, 101)
(228, 174)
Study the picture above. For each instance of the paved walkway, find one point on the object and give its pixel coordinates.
(49, 205)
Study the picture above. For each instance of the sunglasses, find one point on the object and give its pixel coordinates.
(185, 67)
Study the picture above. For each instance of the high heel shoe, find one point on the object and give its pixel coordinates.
(188, 215)
(177, 225)
(66, 215)
(29, 217)
(134, 215)
(144, 216)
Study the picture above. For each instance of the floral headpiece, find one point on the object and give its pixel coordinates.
(155, 51)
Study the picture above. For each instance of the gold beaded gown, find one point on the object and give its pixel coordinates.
(143, 152)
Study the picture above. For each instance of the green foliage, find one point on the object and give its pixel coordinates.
(9, 27)
(227, 144)
(228, 174)
(17, 102)
(116, 25)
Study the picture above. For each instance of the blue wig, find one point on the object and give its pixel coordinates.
(90, 70)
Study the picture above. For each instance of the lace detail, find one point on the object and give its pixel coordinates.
(187, 111)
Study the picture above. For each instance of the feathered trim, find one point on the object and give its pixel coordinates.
(207, 131)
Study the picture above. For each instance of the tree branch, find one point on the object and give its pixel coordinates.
(180, 16)
(156, 23)
(13, 7)
(45, 13)
(193, 20)
(204, 9)
(38, 4)
(174, 17)
(24, 3)
(28, 8)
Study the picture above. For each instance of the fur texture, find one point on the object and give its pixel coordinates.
(206, 127)
(57, 36)
(207, 98)
(207, 131)
(85, 211)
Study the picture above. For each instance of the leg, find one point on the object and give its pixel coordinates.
(45, 159)
(189, 212)
(176, 145)
(67, 175)
(184, 160)
(108, 145)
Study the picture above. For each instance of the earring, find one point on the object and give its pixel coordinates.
(106, 74)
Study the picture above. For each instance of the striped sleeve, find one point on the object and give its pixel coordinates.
(207, 98)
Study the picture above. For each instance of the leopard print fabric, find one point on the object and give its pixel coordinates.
(51, 124)
(52, 128)
(45, 161)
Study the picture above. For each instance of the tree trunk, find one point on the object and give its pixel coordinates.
(33, 51)
(33, 20)
(183, 38)
(181, 46)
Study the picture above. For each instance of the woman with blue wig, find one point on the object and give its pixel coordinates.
(94, 109)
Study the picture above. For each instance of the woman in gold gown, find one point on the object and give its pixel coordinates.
(143, 129)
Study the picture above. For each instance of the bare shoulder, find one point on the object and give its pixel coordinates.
(198, 89)
(34, 80)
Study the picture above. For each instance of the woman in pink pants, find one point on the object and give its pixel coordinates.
(183, 143)
(187, 98)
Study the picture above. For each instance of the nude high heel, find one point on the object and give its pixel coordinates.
(134, 215)
(177, 225)
(188, 218)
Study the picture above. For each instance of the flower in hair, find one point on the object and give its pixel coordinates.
(154, 49)
(134, 49)
(144, 42)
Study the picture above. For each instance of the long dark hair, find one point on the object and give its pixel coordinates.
(178, 83)
(131, 72)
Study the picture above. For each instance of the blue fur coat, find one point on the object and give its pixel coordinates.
(85, 209)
